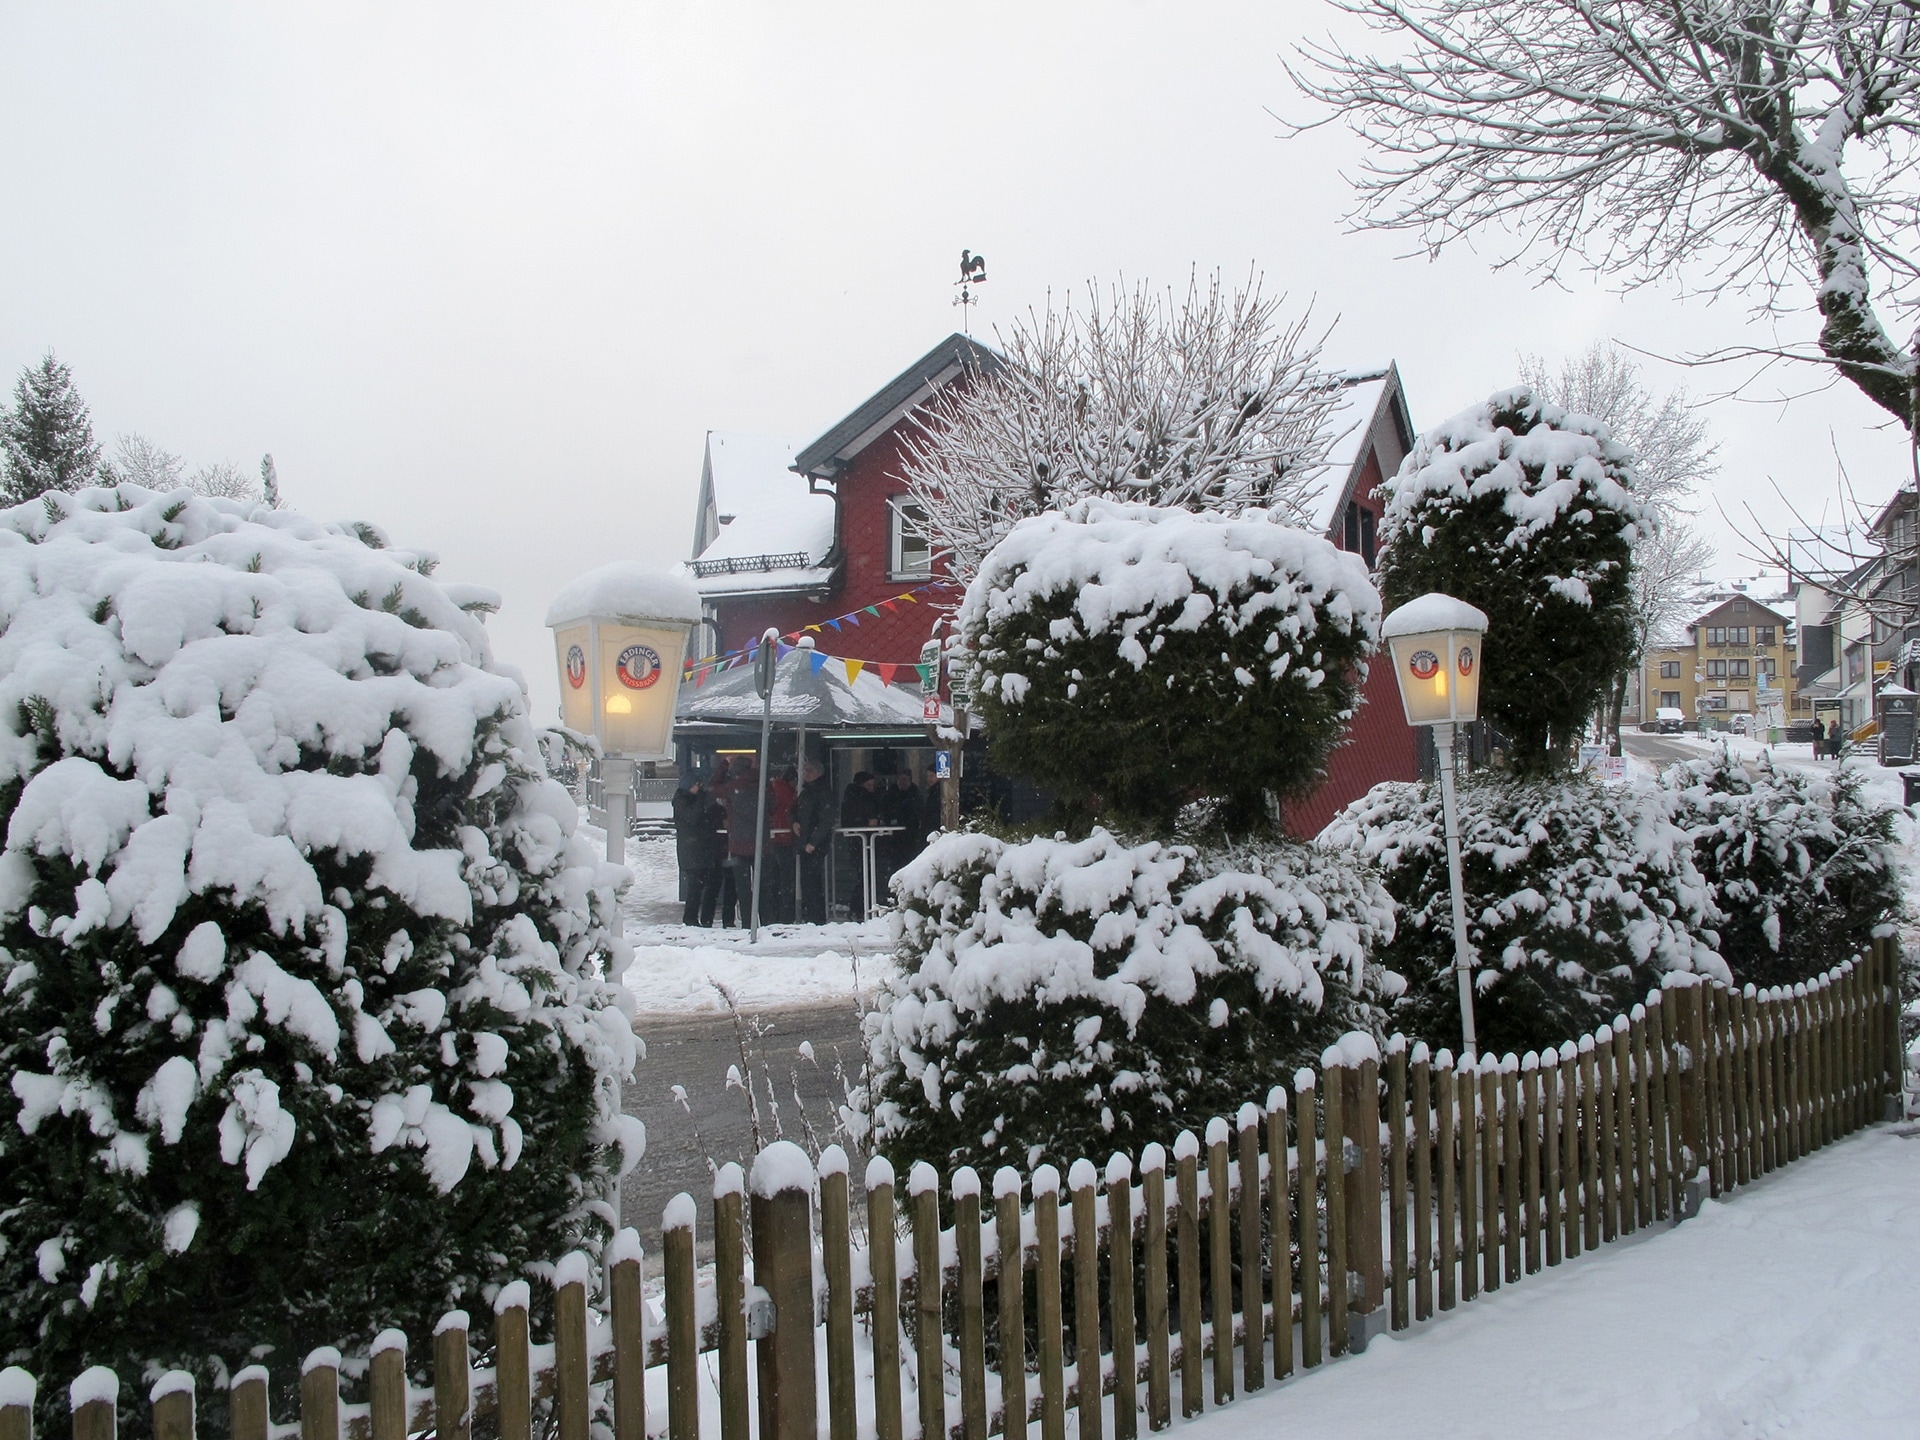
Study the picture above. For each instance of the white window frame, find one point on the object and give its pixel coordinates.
(899, 525)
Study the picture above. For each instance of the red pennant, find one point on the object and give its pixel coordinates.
(887, 672)
(886, 605)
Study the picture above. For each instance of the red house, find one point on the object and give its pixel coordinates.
(823, 540)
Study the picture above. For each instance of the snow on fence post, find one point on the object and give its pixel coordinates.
(1623, 1151)
(1466, 1127)
(683, 1324)
(1530, 1155)
(1447, 1144)
(93, 1396)
(1510, 1165)
(1550, 1153)
(570, 1400)
(1126, 1354)
(625, 1307)
(1739, 1050)
(1489, 1178)
(319, 1395)
(1013, 1303)
(965, 1187)
(1253, 1348)
(1569, 1188)
(1399, 1316)
(1219, 1260)
(1339, 1283)
(1589, 1146)
(1753, 1060)
(512, 1367)
(1046, 1288)
(1727, 1072)
(730, 1300)
(1606, 1118)
(247, 1403)
(1659, 1157)
(1081, 1178)
(1279, 1232)
(1422, 1182)
(1856, 1034)
(923, 1198)
(836, 1247)
(1308, 1205)
(1642, 1121)
(452, 1381)
(172, 1400)
(17, 1391)
(782, 1182)
(1153, 1199)
(1365, 1189)
(883, 1259)
(1186, 1163)
(1772, 1150)
(387, 1386)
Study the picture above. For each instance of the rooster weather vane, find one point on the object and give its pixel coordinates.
(973, 271)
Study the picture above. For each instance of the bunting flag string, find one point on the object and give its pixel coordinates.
(697, 669)
(888, 671)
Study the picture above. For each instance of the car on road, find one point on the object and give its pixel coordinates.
(1669, 721)
(1741, 724)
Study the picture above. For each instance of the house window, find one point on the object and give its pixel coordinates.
(1740, 670)
(1737, 635)
(1763, 635)
(1716, 669)
(1716, 635)
(1765, 665)
(1366, 536)
(1669, 669)
(910, 553)
(1669, 699)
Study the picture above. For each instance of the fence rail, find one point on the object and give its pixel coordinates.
(1380, 1191)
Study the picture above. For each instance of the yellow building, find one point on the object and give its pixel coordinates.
(1738, 659)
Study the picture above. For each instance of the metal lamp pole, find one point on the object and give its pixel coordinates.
(764, 675)
(1462, 958)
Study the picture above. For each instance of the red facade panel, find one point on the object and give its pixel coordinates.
(1380, 745)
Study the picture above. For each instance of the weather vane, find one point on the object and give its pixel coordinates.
(973, 271)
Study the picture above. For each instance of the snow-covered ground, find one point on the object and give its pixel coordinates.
(679, 971)
(1786, 1310)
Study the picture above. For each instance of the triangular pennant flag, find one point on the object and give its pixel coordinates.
(780, 652)
(817, 661)
(924, 675)
(887, 672)
(835, 624)
(872, 611)
(854, 667)
(887, 605)
(816, 628)
(908, 597)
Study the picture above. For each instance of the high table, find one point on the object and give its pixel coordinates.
(869, 863)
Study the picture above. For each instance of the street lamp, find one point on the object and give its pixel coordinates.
(620, 637)
(1435, 642)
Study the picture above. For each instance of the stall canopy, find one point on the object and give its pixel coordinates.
(811, 692)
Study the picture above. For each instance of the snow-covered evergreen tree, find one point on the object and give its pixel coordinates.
(308, 999)
(46, 437)
(1529, 513)
(1803, 867)
(1133, 658)
(1065, 999)
(1579, 897)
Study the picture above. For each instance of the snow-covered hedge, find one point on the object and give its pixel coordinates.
(1526, 511)
(1579, 897)
(306, 996)
(1064, 999)
(1803, 867)
(1130, 658)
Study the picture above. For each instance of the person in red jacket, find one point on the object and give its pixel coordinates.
(776, 880)
(741, 798)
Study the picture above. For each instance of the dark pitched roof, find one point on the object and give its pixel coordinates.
(828, 456)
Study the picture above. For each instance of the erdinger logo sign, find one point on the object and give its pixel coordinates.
(1424, 664)
(576, 666)
(639, 667)
(1466, 659)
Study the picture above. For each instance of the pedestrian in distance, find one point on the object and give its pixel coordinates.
(699, 845)
(741, 797)
(813, 840)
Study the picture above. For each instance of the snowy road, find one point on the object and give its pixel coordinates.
(1787, 1310)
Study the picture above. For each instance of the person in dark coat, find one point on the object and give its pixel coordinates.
(860, 806)
(696, 826)
(813, 837)
(741, 798)
(900, 805)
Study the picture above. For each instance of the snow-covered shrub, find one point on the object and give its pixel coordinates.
(1060, 999)
(1803, 866)
(306, 997)
(1579, 897)
(1526, 511)
(1130, 658)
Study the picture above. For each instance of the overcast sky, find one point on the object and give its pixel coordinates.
(486, 273)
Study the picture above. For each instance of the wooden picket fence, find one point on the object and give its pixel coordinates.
(1378, 1192)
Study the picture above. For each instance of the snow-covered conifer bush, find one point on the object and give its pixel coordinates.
(1131, 658)
(1579, 897)
(307, 999)
(1526, 511)
(1803, 867)
(1063, 999)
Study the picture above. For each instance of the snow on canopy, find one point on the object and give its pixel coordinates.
(1139, 569)
(1560, 462)
(627, 590)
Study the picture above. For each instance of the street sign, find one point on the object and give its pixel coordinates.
(930, 708)
(930, 671)
(943, 764)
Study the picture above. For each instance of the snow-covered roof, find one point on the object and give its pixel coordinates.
(1433, 611)
(627, 590)
(771, 532)
(821, 699)
(1348, 427)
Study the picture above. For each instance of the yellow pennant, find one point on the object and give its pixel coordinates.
(854, 667)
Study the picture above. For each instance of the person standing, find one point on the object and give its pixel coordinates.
(776, 878)
(699, 847)
(741, 798)
(901, 806)
(813, 837)
(1833, 739)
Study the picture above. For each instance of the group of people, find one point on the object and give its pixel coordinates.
(1826, 739)
(713, 825)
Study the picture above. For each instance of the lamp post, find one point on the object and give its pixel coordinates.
(620, 637)
(1435, 642)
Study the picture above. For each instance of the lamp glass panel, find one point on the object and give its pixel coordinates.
(639, 683)
(1420, 665)
(573, 650)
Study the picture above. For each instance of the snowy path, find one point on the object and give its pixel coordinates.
(1788, 1310)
